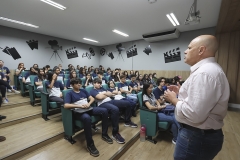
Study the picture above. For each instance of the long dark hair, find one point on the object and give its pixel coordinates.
(90, 79)
(71, 74)
(109, 83)
(41, 77)
(145, 87)
(49, 76)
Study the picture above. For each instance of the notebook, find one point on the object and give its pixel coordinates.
(82, 110)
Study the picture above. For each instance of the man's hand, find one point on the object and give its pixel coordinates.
(86, 105)
(159, 107)
(171, 97)
(174, 88)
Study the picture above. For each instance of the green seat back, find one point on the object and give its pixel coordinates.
(128, 81)
(105, 86)
(116, 84)
(83, 81)
(89, 88)
(140, 100)
(65, 82)
(107, 78)
(66, 76)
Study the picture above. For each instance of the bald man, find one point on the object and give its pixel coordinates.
(201, 104)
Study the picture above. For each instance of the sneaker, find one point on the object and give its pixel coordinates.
(93, 150)
(130, 124)
(15, 91)
(107, 139)
(117, 137)
(5, 101)
(9, 90)
(174, 142)
(2, 117)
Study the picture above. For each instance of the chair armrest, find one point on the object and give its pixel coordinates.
(148, 110)
(68, 121)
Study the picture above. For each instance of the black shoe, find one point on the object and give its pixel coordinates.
(107, 139)
(134, 114)
(2, 117)
(93, 150)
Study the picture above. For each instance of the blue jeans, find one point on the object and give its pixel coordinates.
(85, 118)
(171, 119)
(197, 145)
(132, 97)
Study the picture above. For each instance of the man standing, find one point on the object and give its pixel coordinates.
(202, 102)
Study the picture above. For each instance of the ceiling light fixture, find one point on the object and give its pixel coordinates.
(57, 5)
(121, 33)
(174, 18)
(19, 22)
(87, 39)
(171, 20)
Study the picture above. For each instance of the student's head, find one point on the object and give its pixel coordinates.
(150, 75)
(161, 81)
(85, 67)
(78, 67)
(56, 70)
(131, 72)
(89, 76)
(109, 71)
(123, 78)
(73, 74)
(32, 70)
(84, 71)
(35, 66)
(89, 69)
(92, 67)
(60, 66)
(96, 70)
(137, 73)
(76, 83)
(113, 73)
(176, 79)
(47, 67)
(125, 73)
(97, 83)
(133, 77)
(41, 72)
(201, 47)
(145, 76)
(168, 81)
(111, 84)
(147, 88)
(154, 75)
(100, 74)
(140, 77)
(116, 70)
(20, 65)
(1, 63)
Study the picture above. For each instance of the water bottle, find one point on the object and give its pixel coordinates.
(142, 133)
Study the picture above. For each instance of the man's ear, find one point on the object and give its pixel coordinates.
(201, 50)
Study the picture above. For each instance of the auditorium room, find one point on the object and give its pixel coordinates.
(119, 79)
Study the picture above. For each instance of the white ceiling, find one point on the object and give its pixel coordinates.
(96, 19)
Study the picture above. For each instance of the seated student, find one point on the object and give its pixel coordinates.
(35, 66)
(117, 77)
(146, 79)
(47, 68)
(137, 74)
(112, 76)
(108, 72)
(19, 70)
(39, 79)
(140, 80)
(60, 74)
(3, 85)
(126, 74)
(151, 103)
(26, 78)
(131, 72)
(5, 71)
(101, 77)
(82, 73)
(54, 87)
(118, 96)
(72, 75)
(78, 67)
(134, 85)
(89, 80)
(89, 70)
(77, 98)
(104, 101)
(95, 72)
(124, 89)
(159, 91)
(154, 78)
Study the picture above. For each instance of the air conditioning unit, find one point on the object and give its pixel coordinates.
(161, 36)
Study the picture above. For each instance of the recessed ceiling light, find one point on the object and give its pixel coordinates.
(174, 18)
(121, 33)
(57, 5)
(19, 22)
(171, 20)
(87, 39)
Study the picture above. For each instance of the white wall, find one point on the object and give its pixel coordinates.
(17, 38)
(155, 60)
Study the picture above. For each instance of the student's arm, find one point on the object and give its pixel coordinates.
(54, 78)
(91, 100)
(86, 84)
(121, 90)
(130, 89)
(18, 72)
(68, 105)
(97, 95)
(36, 82)
(7, 72)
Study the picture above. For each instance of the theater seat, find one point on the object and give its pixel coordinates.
(149, 118)
(72, 125)
(24, 87)
(47, 106)
(33, 93)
